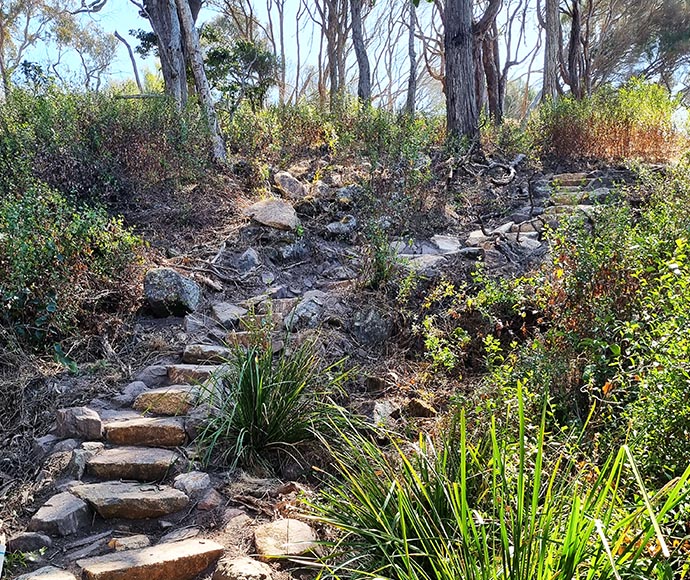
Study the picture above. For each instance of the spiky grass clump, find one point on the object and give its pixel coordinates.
(495, 511)
(265, 404)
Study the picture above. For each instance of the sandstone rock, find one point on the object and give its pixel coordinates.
(78, 422)
(138, 463)
(47, 573)
(191, 374)
(66, 445)
(147, 431)
(129, 543)
(153, 376)
(284, 538)
(477, 237)
(131, 501)
(503, 229)
(193, 483)
(274, 213)
(420, 408)
(291, 187)
(242, 569)
(174, 561)
(28, 542)
(228, 314)
(206, 353)
(80, 458)
(173, 400)
(243, 339)
(570, 179)
(63, 514)
(169, 293)
(210, 501)
(196, 420)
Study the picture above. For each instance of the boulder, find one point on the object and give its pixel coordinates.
(284, 538)
(290, 186)
(307, 313)
(169, 293)
(242, 569)
(79, 423)
(343, 228)
(129, 543)
(274, 213)
(206, 354)
(153, 376)
(63, 514)
(248, 261)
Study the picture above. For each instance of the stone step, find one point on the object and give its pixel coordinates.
(183, 374)
(131, 501)
(206, 354)
(146, 432)
(174, 561)
(138, 463)
(172, 400)
(570, 179)
(47, 573)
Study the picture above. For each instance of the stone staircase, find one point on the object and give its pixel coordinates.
(130, 486)
(129, 471)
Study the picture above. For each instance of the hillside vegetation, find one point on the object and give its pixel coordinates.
(554, 436)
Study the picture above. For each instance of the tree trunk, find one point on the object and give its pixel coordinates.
(166, 25)
(364, 82)
(552, 30)
(191, 39)
(574, 63)
(462, 113)
(491, 62)
(410, 104)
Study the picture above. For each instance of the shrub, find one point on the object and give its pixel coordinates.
(263, 405)
(98, 146)
(610, 346)
(451, 509)
(633, 122)
(62, 266)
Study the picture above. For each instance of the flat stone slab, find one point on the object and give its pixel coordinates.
(206, 353)
(191, 374)
(48, 573)
(274, 213)
(147, 431)
(173, 400)
(131, 501)
(174, 561)
(228, 314)
(139, 463)
(284, 538)
(63, 514)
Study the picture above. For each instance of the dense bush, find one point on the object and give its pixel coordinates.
(61, 265)
(98, 146)
(611, 344)
(632, 122)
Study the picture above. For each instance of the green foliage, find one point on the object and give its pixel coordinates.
(98, 146)
(239, 69)
(633, 122)
(495, 509)
(266, 404)
(380, 259)
(61, 265)
(610, 343)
